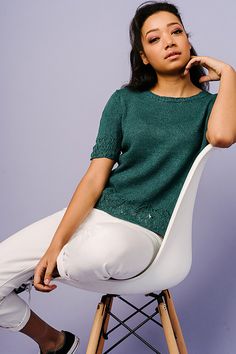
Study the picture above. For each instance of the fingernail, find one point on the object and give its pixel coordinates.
(46, 281)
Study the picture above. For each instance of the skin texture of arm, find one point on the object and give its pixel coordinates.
(221, 129)
(84, 198)
(222, 121)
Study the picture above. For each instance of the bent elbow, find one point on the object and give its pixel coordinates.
(220, 141)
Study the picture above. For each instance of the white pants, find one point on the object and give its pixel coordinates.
(102, 247)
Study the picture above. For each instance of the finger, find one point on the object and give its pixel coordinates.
(40, 286)
(48, 273)
(45, 288)
(188, 67)
(38, 274)
(204, 78)
(193, 62)
(38, 280)
(47, 278)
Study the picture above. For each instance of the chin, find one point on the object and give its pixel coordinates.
(175, 70)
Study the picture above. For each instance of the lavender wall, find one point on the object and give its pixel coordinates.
(60, 61)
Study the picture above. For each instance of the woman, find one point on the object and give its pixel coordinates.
(153, 127)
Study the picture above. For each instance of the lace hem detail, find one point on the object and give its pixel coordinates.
(155, 219)
(106, 147)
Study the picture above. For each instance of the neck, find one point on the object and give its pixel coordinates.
(175, 86)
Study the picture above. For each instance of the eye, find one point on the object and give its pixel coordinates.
(153, 40)
(178, 30)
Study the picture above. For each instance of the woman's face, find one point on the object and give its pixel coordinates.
(162, 33)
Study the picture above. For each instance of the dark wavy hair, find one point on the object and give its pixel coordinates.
(143, 77)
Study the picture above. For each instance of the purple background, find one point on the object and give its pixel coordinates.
(60, 62)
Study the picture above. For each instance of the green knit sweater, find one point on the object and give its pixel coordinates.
(154, 140)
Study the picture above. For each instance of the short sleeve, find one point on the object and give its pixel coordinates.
(109, 136)
(205, 142)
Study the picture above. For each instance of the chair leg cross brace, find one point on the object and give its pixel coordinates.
(138, 310)
(132, 331)
(165, 308)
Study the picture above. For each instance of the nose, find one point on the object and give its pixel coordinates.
(168, 41)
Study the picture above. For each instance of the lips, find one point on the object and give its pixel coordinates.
(171, 53)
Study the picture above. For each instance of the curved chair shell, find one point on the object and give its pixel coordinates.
(174, 259)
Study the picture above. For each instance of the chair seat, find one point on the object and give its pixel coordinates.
(174, 258)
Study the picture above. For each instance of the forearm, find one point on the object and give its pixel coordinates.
(82, 201)
(222, 121)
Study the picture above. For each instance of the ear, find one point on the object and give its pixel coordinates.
(144, 58)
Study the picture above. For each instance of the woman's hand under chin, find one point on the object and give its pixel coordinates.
(215, 67)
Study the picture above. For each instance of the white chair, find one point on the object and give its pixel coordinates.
(171, 265)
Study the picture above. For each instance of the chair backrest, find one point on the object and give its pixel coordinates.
(174, 258)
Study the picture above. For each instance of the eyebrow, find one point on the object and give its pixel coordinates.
(168, 25)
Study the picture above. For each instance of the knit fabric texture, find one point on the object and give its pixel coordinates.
(154, 141)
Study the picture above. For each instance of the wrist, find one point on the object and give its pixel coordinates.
(56, 246)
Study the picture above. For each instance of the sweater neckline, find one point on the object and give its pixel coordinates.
(176, 99)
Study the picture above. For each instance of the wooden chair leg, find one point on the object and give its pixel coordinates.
(101, 319)
(175, 322)
(167, 327)
(108, 305)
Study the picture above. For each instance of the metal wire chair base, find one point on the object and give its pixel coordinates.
(132, 331)
(169, 323)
